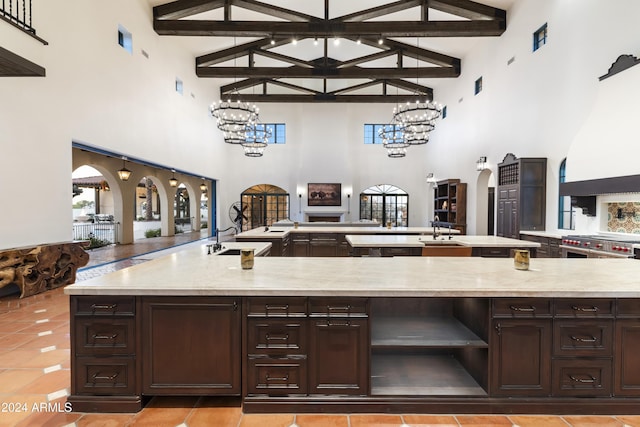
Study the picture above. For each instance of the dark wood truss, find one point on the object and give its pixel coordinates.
(479, 21)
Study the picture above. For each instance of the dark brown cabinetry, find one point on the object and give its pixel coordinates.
(339, 344)
(450, 204)
(103, 355)
(549, 246)
(627, 349)
(191, 346)
(323, 244)
(521, 195)
(299, 244)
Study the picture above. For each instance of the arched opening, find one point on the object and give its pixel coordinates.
(385, 203)
(485, 203)
(93, 208)
(260, 205)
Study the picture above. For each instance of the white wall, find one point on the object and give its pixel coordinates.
(97, 93)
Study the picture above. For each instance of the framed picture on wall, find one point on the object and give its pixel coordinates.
(324, 195)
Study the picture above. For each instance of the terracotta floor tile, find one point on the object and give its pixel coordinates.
(537, 421)
(375, 420)
(430, 420)
(52, 416)
(266, 420)
(14, 379)
(42, 360)
(629, 420)
(10, 326)
(58, 340)
(592, 421)
(37, 328)
(210, 416)
(322, 420)
(105, 420)
(48, 383)
(13, 358)
(19, 407)
(15, 340)
(483, 420)
(164, 411)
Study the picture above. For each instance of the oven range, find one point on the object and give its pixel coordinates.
(598, 246)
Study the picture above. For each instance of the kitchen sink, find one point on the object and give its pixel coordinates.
(441, 243)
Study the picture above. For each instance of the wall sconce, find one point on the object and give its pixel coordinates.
(481, 164)
(348, 203)
(173, 181)
(299, 202)
(431, 179)
(203, 186)
(124, 173)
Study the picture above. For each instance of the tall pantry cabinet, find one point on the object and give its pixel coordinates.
(522, 187)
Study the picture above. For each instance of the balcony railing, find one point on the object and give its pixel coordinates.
(18, 12)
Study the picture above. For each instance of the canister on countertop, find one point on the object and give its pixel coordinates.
(521, 259)
(246, 259)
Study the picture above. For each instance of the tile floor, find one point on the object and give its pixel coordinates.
(35, 381)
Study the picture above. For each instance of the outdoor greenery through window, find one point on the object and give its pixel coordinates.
(566, 214)
(540, 37)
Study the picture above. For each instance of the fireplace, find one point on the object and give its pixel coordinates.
(324, 216)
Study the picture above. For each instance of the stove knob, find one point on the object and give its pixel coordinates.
(599, 245)
(616, 248)
(625, 249)
(586, 244)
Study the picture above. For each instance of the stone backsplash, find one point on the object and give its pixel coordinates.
(623, 217)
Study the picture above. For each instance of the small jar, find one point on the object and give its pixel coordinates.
(521, 259)
(246, 259)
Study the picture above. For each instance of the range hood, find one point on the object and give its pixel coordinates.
(583, 193)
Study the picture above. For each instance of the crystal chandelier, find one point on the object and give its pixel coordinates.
(417, 120)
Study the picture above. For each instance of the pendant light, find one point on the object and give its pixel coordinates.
(124, 173)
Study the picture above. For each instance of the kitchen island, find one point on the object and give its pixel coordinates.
(399, 245)
(361, 334)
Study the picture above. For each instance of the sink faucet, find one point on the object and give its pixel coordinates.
(218, 246)
(436, 226)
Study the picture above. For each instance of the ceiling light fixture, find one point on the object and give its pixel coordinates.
(315, 41)
(294, 41)
(336, 41)
(380, 40)
(393, 140)
(124, 173)
(256, 139)
(173, 181)
(203, 186)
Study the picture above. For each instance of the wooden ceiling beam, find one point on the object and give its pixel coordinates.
(419, 53)
(184, 8)
(468, 9)
(376, 12)
(366, 58)
(237, 51)
(327, 97)
(326, 72)
(412, 87)
(284, 58)
(329, 29)
(275, 11)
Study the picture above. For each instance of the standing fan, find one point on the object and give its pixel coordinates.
(236, 214)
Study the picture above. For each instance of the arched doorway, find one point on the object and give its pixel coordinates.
(385, 203)
(485, 203)
(261, 205)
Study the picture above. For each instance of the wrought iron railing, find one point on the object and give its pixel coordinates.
(99, 233)
(18, 12)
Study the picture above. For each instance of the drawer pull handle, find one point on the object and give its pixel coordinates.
(589, 380)
(591, 309)
(578, 339)
(334, 323)
(285, 378)
(276, 307)
(104, 337)
(528, 309)
(284, 337)
(343, 308)
(103, 306)
(112, 377)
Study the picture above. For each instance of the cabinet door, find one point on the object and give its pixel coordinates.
(521, 358)
(191, 345)
(627, 348)
(338, 357)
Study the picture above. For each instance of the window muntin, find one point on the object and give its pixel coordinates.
(278, 132)
(540, 37)
(372, 132)
(385, 203)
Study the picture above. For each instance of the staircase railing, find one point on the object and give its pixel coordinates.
(18, 12)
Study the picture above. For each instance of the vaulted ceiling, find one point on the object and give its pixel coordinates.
(329, 50)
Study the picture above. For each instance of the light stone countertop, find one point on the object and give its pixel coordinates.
(259, 248)
(407, 241)
(275, 232)
(544, 233)
(193, 272)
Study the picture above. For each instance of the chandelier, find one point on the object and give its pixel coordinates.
(393, 140)
(417, 120)
(256, 138)
(233, 117)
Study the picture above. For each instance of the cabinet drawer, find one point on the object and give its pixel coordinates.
(113, 336)
(104, 305)
(521, 307)
(299, 237)
(629, 308)
(277, 376)
(583, 308)
(104, 376)
(277, 307)
(583, 377)
(338, 307)
(401, 251)
(494, 252)
(270, 336)
(576, 338)
(333, 237)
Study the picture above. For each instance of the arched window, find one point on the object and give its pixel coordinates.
(383, 203)
(261, 205)
(566, 214)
